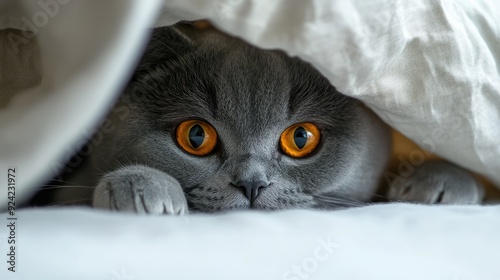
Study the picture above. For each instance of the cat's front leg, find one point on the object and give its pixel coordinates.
(437, 182)
(141, 189)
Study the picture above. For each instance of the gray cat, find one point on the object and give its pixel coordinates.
(209, 123)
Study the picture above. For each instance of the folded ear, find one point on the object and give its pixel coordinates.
(166, 43)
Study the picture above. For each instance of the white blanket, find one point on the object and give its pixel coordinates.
(384, 242)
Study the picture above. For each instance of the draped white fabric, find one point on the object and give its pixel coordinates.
(87, 50)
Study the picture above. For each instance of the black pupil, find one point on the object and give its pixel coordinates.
(300, 137)
(196, 136)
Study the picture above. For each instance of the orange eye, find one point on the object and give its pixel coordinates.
(299, 140)
(196, 137)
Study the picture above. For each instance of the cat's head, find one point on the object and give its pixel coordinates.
(243, 127)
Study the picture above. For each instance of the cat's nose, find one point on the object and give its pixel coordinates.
(251, 189)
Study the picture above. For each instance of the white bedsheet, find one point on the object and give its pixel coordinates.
(379, 242)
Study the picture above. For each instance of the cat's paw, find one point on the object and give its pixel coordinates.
(140, 189)
(437, 182)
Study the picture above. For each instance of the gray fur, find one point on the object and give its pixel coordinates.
(250, 96)
(140, 189)
(437, 182)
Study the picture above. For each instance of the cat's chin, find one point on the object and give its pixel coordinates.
(232, 208)
(246, 207)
